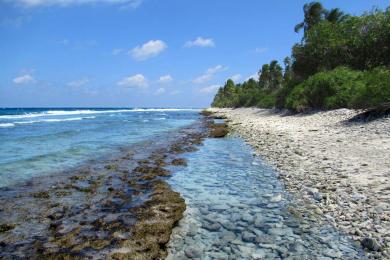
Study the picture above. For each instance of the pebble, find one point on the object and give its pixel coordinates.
(276, 198)
(193, 252)
(248, 237)
(212, 227)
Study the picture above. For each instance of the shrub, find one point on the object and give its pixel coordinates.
(375, 91)
(267, 101)
(341, 88)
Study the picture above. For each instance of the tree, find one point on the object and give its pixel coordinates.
(313, 14)
(335, 15)
(287, 75)
(276, 75)
(264, 76)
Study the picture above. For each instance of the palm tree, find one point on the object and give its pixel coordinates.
(335, 15)
(314, 13)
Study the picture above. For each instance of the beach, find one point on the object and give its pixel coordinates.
(337, 169)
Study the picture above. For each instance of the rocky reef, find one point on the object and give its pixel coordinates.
(116, 208)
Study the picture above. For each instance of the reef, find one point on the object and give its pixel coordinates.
(115, 208)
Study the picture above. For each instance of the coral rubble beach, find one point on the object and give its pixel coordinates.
(338, 169)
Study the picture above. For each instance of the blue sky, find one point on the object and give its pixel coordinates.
(141, 53)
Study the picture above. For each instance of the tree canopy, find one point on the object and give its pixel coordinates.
(337, 51)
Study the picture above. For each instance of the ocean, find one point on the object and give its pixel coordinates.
(37, 141)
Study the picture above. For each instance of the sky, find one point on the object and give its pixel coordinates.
(141, 53)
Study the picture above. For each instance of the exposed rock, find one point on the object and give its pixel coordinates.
(371, 244)
(41, 195)
(6, 227)
(219, 130)
(179, 162)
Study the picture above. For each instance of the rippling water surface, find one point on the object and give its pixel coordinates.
(41, 141)
(238, 209)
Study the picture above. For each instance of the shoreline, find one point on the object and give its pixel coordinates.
(338, 170)
(118, 208)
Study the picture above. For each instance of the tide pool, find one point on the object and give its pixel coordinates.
(237, 209)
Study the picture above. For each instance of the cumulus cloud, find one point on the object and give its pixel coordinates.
(138, 81)
(165, 79)
(200, 42)
(148, 50)
(78, 83)
(23, 79)
(160, 91)
(63, 3)
(236, 77)
(209, 74)
(209, 89)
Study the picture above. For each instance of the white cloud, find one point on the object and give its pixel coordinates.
(200, 42)
(24, 79)
(116, 51)
(261, 50)
(137, 80)
(63, 3)
(150, 49)
(165, 79)
(78, 83)
(160, 91)
(236, 77)
(209, 74)
(209, 89)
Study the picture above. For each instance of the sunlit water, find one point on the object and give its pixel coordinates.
(237, 209)
(41, 141)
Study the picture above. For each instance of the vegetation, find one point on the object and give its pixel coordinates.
(342, 61)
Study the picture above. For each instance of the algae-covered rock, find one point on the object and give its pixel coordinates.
(206, 113)
(219, 130)
(179, 162)
(41, 195)
(6, 227)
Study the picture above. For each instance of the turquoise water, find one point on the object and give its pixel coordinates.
(41, 141)
(237, 209)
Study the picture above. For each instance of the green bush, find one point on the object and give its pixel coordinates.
(341, 88)
(296, 100)
(267, 101)
(376, 89)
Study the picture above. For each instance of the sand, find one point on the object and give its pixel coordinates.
(339, 169)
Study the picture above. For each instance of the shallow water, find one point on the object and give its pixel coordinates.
(42, 141)
(90, 211)
(238, 209)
